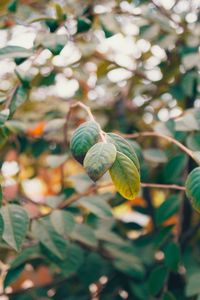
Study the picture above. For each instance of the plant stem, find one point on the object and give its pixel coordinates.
(88, 110)
(159, 135)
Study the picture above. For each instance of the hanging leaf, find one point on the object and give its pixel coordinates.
(16, 223)
(12, 275)
(99, 159)
(84, 137)
(125, 176)
(50, 239)
(124, 147)
(20, 96)
(62, 221)
(167, 209)
(84, 234)
(96, 205)
(193, 188)
(172, 256)
(157, 279)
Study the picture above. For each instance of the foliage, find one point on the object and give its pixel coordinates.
(100, 147)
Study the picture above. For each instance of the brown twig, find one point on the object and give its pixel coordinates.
(160, 135)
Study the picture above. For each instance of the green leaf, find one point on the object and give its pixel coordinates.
(174, 168)
(73, 261)
(99, 159)
(167, 209)
(16, 223)
(84, 234)
(193, 141)
(193, 286)
(50, 239)
(155, 155)
(124, 147)
(157, 279)
(125, 260)
(12, 7)
(15, 52)
(20, 96)
(84, 137)
(83, 25)
(27, 254)
(12, 275)
(62, 221)
(193, 188)
(125, 176)
(172, 256)
(168, 296)
(96, 205)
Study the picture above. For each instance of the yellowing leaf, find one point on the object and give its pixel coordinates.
(99, 159)
(125, 176)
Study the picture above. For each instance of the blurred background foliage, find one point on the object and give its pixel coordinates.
(136, 64)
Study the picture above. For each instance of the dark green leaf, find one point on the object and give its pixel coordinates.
(99, 159)
(172, 256)
(84, 137)
(193, 188)
(124, 147)
(167, 209)
(157, 279)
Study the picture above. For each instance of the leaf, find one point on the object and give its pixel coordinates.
(62, 221)
(73, 261)
(84, 234)
(12, 275)
(16, 223)
(157, 279)
(20, 96)
(99, 159)
(193, 141)
(193, 286)
(125, 176)
(193, 188)
(125, 260)
(124, 147)
(174, 168)
(168, 296)
(96, 205)
(172, 256)
(27, 254)
(84, 137)
(167, 209)
(155, 155)
(83, 25)
(50, 239)
(15, 52)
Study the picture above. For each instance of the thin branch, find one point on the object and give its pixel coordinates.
(163, 186)
(160, 135)
(74, 198)
(88, 110)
